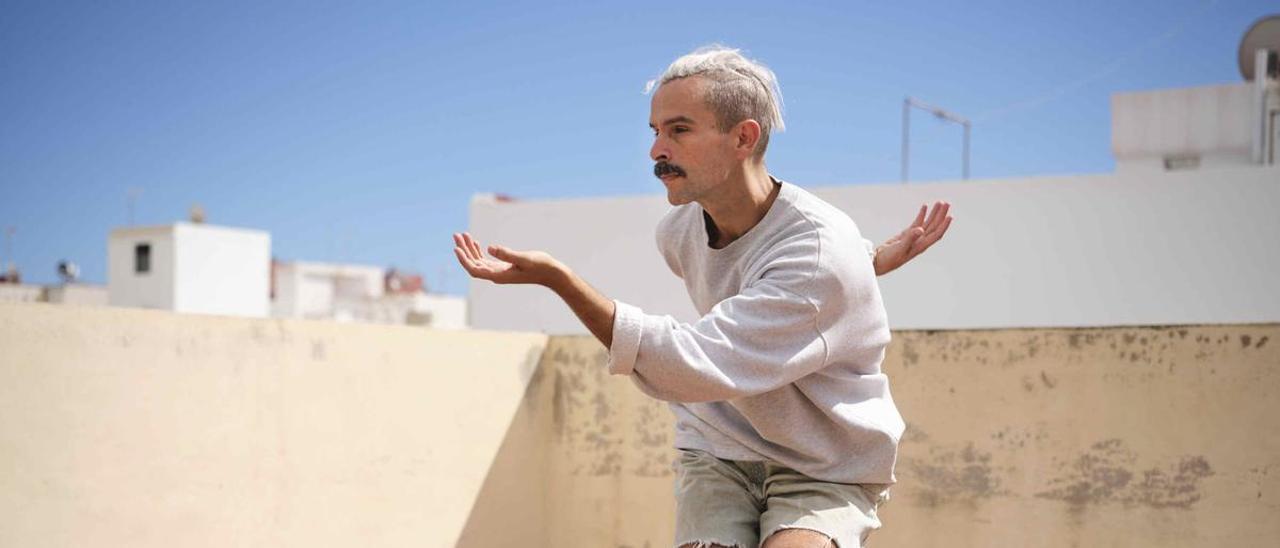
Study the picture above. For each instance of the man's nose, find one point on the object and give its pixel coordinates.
(658, 152)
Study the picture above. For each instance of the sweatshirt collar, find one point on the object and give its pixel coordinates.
(785, 191)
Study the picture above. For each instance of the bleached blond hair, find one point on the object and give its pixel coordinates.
(737, 88)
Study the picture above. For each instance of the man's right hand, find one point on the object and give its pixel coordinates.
(535, 267)
(506, 266)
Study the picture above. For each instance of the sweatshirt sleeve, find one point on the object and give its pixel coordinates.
(763, 338)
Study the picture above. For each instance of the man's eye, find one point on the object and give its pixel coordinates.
(679, 129)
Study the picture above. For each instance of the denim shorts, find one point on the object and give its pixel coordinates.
(740, 503)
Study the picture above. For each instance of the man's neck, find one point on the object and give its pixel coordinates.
(744, 201)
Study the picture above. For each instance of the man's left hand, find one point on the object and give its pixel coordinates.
(912, 241)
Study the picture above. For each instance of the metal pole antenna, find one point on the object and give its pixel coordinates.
(8, 249)
(940, 114)
(133, 193)
(906, 136)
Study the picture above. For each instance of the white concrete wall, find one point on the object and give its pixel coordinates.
(220, 270)
(77, 294)
(446, 311)
(153, 289)
(1194, 247)
(1212, 123)
(322, 290)
(284, 290)
(296, 295)
(20, 293)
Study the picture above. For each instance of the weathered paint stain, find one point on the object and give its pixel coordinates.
(559, 407)
(1010, 439)
(1178, 487)
(1106, 474)
(914, 434)
(909, 355)
(1094, 476)
(1028, 384)
(586, 416)
(953, 474)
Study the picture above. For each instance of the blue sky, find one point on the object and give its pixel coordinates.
(357, 132)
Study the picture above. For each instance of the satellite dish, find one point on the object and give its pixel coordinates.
(1264, 34)
(68, 271)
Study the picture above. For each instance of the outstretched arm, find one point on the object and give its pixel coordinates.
(506, 266)
(913, 240)
(767, 336)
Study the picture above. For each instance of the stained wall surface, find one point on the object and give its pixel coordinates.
(1162, 436)
(144, 428)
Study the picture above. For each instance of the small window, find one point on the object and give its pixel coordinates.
(142, 258)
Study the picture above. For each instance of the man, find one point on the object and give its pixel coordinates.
(786, 429)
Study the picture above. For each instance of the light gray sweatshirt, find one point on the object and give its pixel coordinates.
(784, 363)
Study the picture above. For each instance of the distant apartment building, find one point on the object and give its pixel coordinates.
(198, 268)
(345, 292)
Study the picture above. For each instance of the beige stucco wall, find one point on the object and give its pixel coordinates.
(141, 428)
(123, 427)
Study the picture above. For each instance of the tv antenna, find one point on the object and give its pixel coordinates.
(133, 192)
(9, 231)
(907, 104)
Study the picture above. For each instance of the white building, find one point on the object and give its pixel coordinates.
(1201, 127)
(323, 291)
(1183, 233)
(363, 293)
(190, 267)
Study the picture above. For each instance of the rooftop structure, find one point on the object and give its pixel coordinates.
(190, 267)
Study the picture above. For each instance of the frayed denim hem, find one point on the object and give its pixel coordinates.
(708, 544)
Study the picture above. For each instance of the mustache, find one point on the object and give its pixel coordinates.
(667, 168)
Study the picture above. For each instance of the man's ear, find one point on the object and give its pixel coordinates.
(746, 136)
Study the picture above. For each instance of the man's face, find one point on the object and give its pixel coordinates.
(692, 156)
